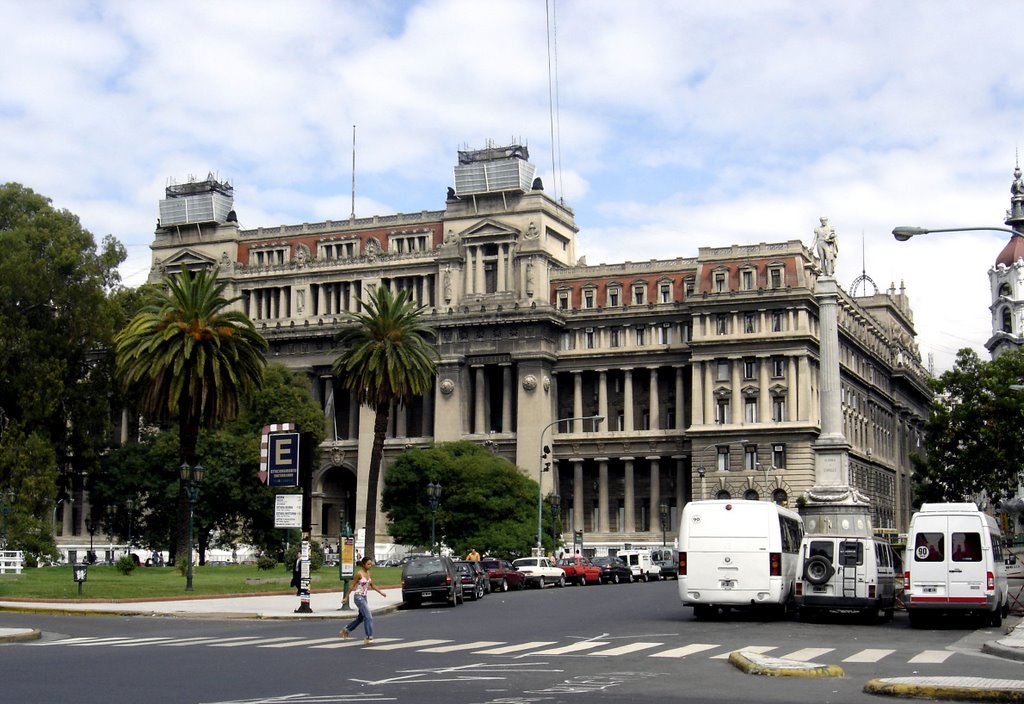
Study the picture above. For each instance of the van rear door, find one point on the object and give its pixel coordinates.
(966, 559)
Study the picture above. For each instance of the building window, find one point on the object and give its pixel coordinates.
(750, 457)
(747, 278)
(750, 410)
(639, 336)
(689, 286)
(568, 341)
(563, 300)
(723, 459)
(613, 297)
(620, 422)
(665, 293)
(722, 411)
(779, 456)
(749, 322)
(778, 409)
(613, 337)
(665, 334)
(687, 331)
(588, 299)
(1007, 320)
(588, 338)
(778, 367)
(722, 324)
(638, 295)
(751, 495)
(776, 321)
(720, 282)
(775, 276)
(749, 368)
(722, 370)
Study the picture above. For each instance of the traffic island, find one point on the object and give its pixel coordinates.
(18, 635)
(962, 689)
(753, 663)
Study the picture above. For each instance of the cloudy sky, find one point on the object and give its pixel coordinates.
(679, 124)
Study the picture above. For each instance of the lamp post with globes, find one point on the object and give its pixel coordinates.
(663, 510)
(434, 497)
(191, 478)
(556, 504)
(540, 474)
(131, 505)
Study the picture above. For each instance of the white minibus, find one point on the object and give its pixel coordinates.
(737, 553)
(641, 564)
(954, 563)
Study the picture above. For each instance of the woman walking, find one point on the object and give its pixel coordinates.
(364, 583)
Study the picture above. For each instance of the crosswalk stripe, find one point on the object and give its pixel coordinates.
(807, 654)
(65, 641)
(255, 641)
(462, 646)
(181, 642)
(749, 648)
(516, 648)
(100, 641)
(573, 647)
(297, 643)
(690, 649)
(140, 641)
(931, 657)
(351, 643)
(629, 648)
(869, 655)
(410, 644)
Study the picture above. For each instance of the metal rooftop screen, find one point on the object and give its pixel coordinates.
(494, 176)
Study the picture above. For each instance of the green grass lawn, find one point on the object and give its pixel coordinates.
(105, 582)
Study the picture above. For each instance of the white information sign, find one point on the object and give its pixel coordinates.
(288, 511)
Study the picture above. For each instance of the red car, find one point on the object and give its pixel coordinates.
(503, 574)
(579, 570)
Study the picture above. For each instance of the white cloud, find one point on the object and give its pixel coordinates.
(680, 124)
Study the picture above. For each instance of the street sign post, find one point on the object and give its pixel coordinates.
(283, 459)
(288, 511)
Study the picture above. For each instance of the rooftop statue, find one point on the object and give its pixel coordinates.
(826, 244)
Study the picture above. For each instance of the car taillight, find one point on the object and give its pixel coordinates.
(447, 579)
(775, 564)
(682, 563)
(990, 581)
(871, 591)
(799, 588)
(906, 579)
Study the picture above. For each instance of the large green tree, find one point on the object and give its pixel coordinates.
(975, 435)
(387, 357)
(486, 502)
(192, 359)
(57, 320)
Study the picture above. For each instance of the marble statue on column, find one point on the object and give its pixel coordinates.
(826, 244)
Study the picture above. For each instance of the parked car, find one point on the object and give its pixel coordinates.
(432, 578)
(667, 561)
(473, 578)
(539, 571)
(642, 564)
(502, 574)
(613, 569)
(480, 568)
(579, 570)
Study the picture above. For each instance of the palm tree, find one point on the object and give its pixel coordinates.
(387, 357)
(193, 360)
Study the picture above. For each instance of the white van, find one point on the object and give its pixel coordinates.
(641, 564)
(954, 563)
(846, 572)
(737, 553)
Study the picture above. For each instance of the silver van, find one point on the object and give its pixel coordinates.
(846, 573)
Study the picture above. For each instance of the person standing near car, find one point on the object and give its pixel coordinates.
(364, 583)
(473, 554)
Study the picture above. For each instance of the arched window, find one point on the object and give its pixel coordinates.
(750, 495)
(1007, 320)
(1004, 289)
(780, 497)
(722, 495)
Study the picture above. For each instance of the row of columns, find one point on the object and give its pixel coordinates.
(268, 303)
(476, 258)
(627, 397)
(796, 394)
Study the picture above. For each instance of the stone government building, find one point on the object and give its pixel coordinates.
(705, 368)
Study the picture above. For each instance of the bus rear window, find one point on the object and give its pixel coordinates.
(929, 547)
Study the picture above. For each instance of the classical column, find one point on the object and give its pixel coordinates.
(796, 378)
(627, 400)
(655, 403)
(478, 403)
(602, 398)
(353, 417)
(577, 495)
(501, 283)
(680, 471)
(709, 392)
(577, 400)
(736, 402)
(401, 418)
(831, 458)
(680, 400)
(506, 398)
(655, 495)
(628, 499)
(602, 494)
(478, 272)
(428, 412)
(764, 398)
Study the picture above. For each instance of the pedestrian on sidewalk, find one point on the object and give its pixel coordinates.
(364, 583)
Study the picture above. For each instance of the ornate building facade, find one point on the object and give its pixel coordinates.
(704, 369)
(1006, 279)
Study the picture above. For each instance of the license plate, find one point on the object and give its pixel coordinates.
(728, 583)
(928, 590)
(819, 589)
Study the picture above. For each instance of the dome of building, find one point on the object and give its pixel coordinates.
(1013, 251)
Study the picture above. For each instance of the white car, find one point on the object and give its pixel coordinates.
(539, 571)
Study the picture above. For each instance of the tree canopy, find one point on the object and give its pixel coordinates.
(975, 435)
(57, 319)
(486, 502)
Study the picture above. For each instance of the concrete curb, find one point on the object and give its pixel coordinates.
(19, 635)
(975, 689)
(757, 664)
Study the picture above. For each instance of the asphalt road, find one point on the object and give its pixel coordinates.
(577, 644)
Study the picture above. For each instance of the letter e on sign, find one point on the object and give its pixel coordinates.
(284, 459)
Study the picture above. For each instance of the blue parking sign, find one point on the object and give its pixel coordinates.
(283, 459)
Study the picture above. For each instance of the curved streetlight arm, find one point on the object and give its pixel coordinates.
(540, 474)
(905, 232)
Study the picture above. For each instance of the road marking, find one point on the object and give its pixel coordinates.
(932, 657)
(350, 643)
(629, 648)
(759, 649)
(518, 647)
(140, 641)
(196, 640)
(869, 655)
(462, 646)
(572, 647)
(410, 644)
(101, 641)
(690, 649)
(807, 654)
(297, 643)
(65, 641)
(252, 641)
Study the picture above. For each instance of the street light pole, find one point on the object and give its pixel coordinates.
(905, 232)
(191, 478)
(434, 496)
(540, 474)
(664, 523)
(130, 504)
(556, 503)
